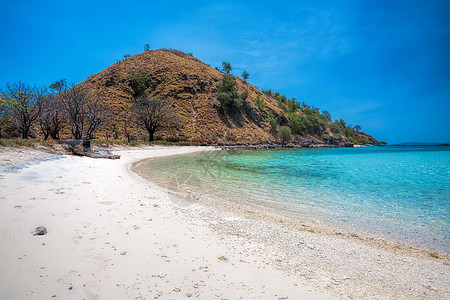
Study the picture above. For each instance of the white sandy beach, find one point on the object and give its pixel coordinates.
(113, 235)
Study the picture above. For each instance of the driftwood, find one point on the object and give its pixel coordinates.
(103, 154)
(83, 148)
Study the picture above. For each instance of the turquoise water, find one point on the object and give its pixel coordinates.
(401, 193)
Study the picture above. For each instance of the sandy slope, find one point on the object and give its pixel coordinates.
(112, 235)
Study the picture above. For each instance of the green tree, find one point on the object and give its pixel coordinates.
(317, 124)
(226, 67)
(58, 86)
(273, 121)
(146, 47)
(349, 133)
(139, 83)
(260, 103)
(293, 106)
(190, 54)
(125, 56)
(310, 112)
(245, 75)
(362, 141)
(268, 92)
(357, 128)
(299, 124)
(327, 115)
(335, 127)
(285, 134)
(228, 96)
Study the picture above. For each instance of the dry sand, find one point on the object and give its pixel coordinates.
(113, 235)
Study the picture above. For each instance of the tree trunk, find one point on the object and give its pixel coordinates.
(25, 134)
(150, 137)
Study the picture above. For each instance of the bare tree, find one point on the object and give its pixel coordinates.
(4, 118)
(357, 128)
(84, 109)
(153, 115)
(51, 120)
(52, 117)
(24, 105)
(127, 118)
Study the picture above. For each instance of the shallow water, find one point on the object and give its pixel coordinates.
(400, 193)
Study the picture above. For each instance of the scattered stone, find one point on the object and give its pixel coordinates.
(223, 258)
(346, 278)
(189, 295)
(41, 230)
(177, 290)
(155, 205)
(70, 287)
(285, 297)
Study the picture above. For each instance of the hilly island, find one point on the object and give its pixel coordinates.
(172, 96)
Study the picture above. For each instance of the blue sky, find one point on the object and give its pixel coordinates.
(382, 64)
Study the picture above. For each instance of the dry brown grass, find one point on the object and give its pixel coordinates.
(191, 88)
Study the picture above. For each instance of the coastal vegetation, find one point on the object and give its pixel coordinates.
(230, 99)
(170, 96)
(285, 134)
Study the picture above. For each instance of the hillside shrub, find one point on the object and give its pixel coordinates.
(273, 121)
(285, 134)
(293, 106)
(268, 92)
(327, 115)
(317, 125)
(299, 124)
(310, 112)
(139, 83)
(335, 128)
(226, 67)
(361, 141)
(260, 103)
(349, 133)
(229, 97)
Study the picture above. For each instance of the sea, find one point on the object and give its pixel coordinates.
(399, 193)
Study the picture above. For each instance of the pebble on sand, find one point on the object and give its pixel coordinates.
(41, 230)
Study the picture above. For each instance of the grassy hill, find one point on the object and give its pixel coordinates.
(192, 88)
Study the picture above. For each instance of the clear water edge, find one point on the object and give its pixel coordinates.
(396, 193)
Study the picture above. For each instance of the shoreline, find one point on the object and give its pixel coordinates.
(295, 219)
(112, 234)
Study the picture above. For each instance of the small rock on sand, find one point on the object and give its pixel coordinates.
(41, 230)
